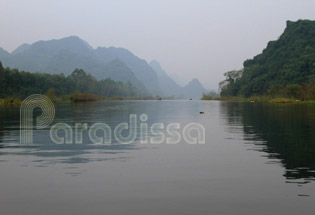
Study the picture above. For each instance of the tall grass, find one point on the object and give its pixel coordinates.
(83, 97)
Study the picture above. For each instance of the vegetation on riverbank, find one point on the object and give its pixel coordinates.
(267, 99)
(283, 72)
(20, 84)
(10, 102)
(77, 87)
(76, 97)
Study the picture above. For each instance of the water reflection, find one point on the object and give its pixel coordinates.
(219, 177)
(284, 132)
(44, 152)
(111, 113)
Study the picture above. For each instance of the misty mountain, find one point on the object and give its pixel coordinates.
(4, 54)
(169, 87)
(119, 71)
(119, 64)
(66, 54)
(194, 89)
(54, 56)
(21, 48)
(139, 67)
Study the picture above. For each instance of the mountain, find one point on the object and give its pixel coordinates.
(119, 71)
(53, 56)
(140, 67)
(194, 89)
(158, 69)
(66, 54)
(168, 86)
(21, 48)
(4, 54)
(284, 67)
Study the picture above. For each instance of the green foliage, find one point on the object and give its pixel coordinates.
(20, 84)
(230, 85)
(285, 68)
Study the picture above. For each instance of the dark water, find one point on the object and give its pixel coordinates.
(257, 159)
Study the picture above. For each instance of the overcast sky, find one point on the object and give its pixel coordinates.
(190, 39)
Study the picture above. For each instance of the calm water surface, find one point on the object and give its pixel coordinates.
(258, 159)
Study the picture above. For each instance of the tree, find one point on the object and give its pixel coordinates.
(290, 60)
(227, 86)
(22, 84)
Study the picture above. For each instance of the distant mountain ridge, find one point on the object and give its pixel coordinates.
(193, 89)
(21, 48)
(4, 54)
(64, 55)
(168, 86)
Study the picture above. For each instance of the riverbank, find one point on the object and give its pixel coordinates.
(266, 99)
(10, 102)
(87, 97)
(79, 97)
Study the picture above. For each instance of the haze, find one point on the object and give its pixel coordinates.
(190, 39)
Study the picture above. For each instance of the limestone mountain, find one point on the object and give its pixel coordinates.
(66, 54)
(194, 89)
(284, 65)
(168, 86)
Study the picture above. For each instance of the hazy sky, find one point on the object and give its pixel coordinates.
(201, 39)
